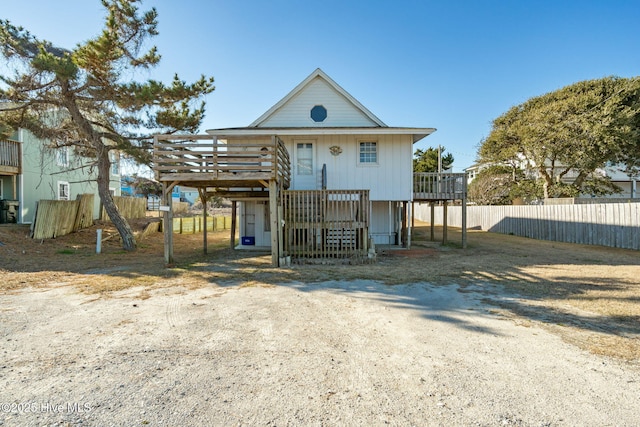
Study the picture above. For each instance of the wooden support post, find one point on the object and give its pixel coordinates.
(413, 215)
(444, 221)
(203, 198)
(280, 233)
(411, 207)
(234, 214)
(392, 224)
(403, 231)
(464, 213)
(15, 187)
(273, 212)
(433, 214)
(167, 225)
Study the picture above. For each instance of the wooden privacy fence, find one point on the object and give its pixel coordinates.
(193, 225)
(178, 207)
(129, 207)
(325, 223)
(606, 224)
(59, 217)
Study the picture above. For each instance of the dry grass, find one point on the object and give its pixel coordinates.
(589, 295)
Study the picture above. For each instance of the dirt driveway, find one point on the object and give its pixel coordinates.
(112, 342)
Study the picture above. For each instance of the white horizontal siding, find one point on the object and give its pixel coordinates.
(390, 179)
(296, 112)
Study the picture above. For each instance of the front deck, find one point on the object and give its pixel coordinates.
(431, 186)
(303, 224)
(441, 188)
(11, 163)
(10, 157)
(226, 167)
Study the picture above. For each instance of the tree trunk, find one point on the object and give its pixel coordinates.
(120, 222)
(548, 181)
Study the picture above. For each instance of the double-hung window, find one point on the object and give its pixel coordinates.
(305, 159)
(63, 190)
(368, 154)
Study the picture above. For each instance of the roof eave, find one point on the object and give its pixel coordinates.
(417, 133)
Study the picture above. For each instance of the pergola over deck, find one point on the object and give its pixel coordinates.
(229, 167)
(442, 187)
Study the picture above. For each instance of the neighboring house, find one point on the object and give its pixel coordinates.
(625, 182)
(127, 188)
(189, 195)
(317, 175)
(30, 171)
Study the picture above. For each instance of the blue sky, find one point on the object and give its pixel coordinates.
(452, 65)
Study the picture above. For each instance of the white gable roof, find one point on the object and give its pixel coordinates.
(343, 110)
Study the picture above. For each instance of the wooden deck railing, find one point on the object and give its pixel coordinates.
(439, 186)
(205, 159)
(326, 223)
(10, 156)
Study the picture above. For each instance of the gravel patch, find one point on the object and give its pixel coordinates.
(331, 353)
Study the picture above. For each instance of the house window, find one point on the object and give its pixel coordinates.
(304, 163)
(318, 113)
(62, 156)
(63, 190)
(368, 153)
(115, 163)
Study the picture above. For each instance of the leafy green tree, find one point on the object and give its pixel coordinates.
(567, 135)
(427, 160)
(501, 185)
(87, 97)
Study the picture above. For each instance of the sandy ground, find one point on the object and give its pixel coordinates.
(330, 353)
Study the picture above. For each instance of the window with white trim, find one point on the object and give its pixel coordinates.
(368, 153)
(304, 156)
(62, 156)
(63, 190)
(115, 163)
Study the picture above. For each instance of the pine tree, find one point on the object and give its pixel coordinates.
(86, 97)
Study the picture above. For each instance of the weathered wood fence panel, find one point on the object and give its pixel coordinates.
(84, 217)
(192, 225)
(59, 217)
(129, 207)
(606, 224)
